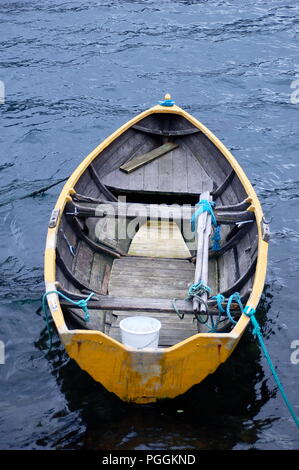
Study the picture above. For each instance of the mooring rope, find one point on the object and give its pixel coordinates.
(82, 303)
(250, 313)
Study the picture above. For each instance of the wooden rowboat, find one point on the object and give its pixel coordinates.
(121, 229)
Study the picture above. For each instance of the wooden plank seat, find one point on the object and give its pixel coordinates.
(227, 215)
(145, 305)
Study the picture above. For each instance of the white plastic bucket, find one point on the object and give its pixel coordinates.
(140, 332)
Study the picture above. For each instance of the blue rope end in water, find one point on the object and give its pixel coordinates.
(250, 313)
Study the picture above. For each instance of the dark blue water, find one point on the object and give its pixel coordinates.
(74, 71)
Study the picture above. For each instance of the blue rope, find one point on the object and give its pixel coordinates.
(220, 299)
(197, 289)
(203, 206)
(250, 312)
(216, 238)
(207, 206)
(167, 103)
(237, 298)
(80, 303)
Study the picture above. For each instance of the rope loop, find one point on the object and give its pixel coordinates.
(237, 298)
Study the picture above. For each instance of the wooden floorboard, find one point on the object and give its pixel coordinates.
(175, 172)
(153, 278)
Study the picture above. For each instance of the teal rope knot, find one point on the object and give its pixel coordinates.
(82, 303)
(197, 289)
(206, 206)
(250, 313)
(203, 206)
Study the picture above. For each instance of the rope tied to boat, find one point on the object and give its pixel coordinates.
(167, 102)
(195, 291)
(82, 303)
(206, 206)
(250, 313)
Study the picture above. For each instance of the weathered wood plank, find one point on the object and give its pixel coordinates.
(166, 319)
(103, 189)
(155, 211)
(159, 239)
(96, 272)
(148, 305)
(68, 274)
(151, 176)
(105, 280)
(143, 264)
(83, 263)
(147, 277)
(76, 317)
(147, 157)
(179, 173)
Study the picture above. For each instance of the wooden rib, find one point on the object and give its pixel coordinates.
(231, 243)
(69, 274)
(240, 282)
(148, 157)
(222, 187)
(97, 247)
(104, 190)
(147, 130)
(240, 206)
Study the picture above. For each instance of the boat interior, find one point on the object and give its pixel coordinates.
(126, 235)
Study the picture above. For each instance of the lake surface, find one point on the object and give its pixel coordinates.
(73, 72)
